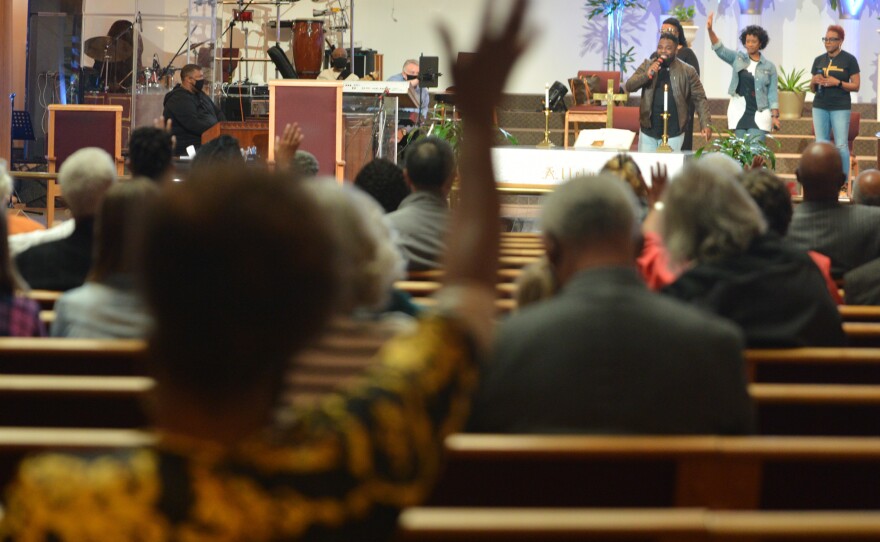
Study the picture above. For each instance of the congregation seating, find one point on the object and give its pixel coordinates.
(567, 524)
(814, 365)
(742, 473)
(53, 356)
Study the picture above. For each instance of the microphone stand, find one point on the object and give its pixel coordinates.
(177, 54)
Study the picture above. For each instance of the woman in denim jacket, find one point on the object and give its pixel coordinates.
(754, 102)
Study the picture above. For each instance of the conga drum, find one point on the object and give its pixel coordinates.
(308, 47)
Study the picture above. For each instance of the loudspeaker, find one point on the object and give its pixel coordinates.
(364, 61)
(232, 107)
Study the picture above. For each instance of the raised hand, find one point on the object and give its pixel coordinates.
(287, 144)
(709, 20)
(480, 81)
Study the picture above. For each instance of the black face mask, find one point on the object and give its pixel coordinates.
(411, 77)
(339, 63)
(199, 85)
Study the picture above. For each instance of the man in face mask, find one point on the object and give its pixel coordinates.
(339, 69)
(190, 110)
(409, 117)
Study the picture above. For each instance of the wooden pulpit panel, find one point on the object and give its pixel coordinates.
(251, 133)
(317, 107)
(75, 127)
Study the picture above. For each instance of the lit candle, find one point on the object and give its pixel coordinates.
(665, 98)
(546, 95)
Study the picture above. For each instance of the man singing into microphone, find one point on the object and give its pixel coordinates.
(653, 77)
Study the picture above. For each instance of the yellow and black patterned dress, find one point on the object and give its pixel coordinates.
(342, 471)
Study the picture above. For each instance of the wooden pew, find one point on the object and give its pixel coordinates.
(862, 333)
(73, 401)
(689, 525)
(814, 365)
(549, 525)
(746, 473)
(46, 298)
(97, 357)
(817, 409)
(860, 313)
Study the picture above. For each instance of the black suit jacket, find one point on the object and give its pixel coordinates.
(62, 264)
(608, 356)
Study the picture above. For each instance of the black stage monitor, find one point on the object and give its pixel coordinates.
(282, 64)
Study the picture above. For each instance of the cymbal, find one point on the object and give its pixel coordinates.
(100, 47)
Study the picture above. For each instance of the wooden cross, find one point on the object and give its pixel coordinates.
(611, 97)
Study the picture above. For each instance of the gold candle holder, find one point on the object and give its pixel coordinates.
(664, 146)
(546, 144)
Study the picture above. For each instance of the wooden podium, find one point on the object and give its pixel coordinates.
(317, 107)
(250, 133)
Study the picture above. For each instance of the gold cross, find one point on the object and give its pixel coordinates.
(831, 68)
(611, 97)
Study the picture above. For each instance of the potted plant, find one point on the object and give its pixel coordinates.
(742, 149)
(793, 87)
(685, 15)
(445, 126)
(612, 11)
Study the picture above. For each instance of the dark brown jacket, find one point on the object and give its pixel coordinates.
(685, 86)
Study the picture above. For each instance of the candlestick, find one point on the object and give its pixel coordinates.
(546, 144)
(665, 98)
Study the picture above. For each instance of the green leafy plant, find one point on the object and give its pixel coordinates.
(449, 128)
(793, 81)
(612, 10)
(742, 149)
(684, 14)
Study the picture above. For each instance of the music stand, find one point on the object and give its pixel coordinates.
(22, 130)
(429, 71)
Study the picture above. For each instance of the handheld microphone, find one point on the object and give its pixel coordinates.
(820, 90)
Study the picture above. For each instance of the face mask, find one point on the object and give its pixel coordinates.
(412, 77)
(199, 85)
(340, 63)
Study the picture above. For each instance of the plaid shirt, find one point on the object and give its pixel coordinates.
(20, 317)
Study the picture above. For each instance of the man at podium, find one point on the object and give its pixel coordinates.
(190, 110)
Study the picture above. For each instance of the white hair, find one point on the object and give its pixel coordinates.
(408, 62)
(84, 177)
(707, 213)
(5, 182)
(590, 209)
(370, 262)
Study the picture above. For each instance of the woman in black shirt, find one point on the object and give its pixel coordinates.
(835, 75)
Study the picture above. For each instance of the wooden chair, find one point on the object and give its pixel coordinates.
(579, 113)
(814, 365)
(74, 127)
(627, 118)
(737, 473)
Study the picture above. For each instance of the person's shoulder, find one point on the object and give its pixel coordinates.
(76, 497)
(850, 57)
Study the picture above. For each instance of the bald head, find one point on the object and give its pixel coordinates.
(867, 190)
(820, 172)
